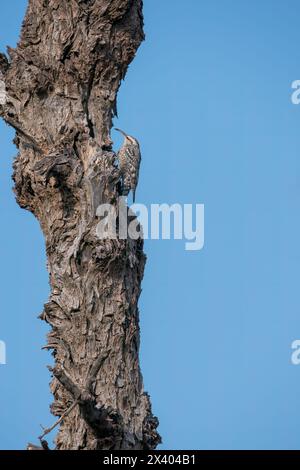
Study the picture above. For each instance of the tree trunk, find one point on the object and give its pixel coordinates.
(62, 82)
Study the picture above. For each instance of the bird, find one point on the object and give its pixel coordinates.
(129, 157)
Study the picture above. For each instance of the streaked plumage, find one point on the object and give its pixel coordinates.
(130, 160)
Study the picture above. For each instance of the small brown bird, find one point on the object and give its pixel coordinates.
(130, 160)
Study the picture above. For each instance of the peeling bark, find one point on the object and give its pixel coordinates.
(62, 82)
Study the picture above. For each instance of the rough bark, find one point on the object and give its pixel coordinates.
(62, 82)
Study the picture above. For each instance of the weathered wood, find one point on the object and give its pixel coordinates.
(62, 82)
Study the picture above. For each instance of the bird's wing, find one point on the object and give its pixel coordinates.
(134, 160)
(134, 155)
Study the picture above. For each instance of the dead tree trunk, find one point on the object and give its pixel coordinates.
(62, 82)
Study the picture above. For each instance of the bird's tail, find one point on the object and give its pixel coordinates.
(133, 196)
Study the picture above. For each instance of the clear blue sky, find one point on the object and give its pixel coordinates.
(209, 97)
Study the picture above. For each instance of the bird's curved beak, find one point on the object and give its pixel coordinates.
(122, 132)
